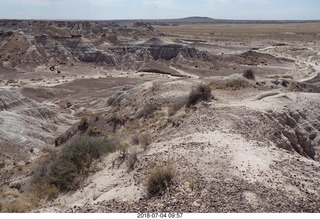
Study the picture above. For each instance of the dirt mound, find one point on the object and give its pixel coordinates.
(256, 58)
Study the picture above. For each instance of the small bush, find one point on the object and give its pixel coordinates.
(249, 74)
(147, 111)
(66, 168)
(159, 180)
(201, 93)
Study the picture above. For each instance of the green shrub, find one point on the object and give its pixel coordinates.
(201, 93)
(159, 180)
(249, 74)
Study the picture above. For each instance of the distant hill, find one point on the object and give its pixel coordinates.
(207, 20)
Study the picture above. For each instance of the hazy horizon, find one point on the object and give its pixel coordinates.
(159, 9)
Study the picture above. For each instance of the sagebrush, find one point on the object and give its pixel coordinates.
(201, 93)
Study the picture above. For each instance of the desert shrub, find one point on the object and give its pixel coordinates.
(159, 180)
(237, 84)
(201, 93)
(147, 111)
(249, 74)
(65, 168)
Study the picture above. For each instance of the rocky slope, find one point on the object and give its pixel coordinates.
(29, 125)
(253, 147)
(254, 155)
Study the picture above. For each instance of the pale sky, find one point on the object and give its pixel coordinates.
(157, 9)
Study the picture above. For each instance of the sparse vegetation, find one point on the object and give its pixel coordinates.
(64, 169)
(17, 206)
(147, 111)
(192, 185)
(159, 180)
(177, 105)
(237, 84)
(201, 93)
(116, 121)
(249, 74)
(145, 140)
(5, 176)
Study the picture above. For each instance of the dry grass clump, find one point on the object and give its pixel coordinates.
(201, 93)
(159, 180)
(237, 84)
(144, 139)
(12, 201)
(17, 206)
